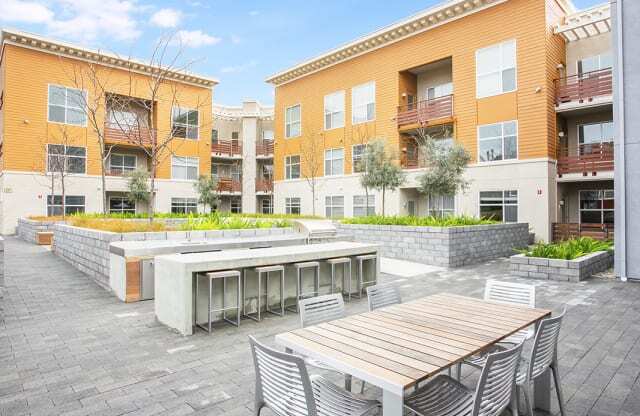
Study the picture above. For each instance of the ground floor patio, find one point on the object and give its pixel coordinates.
(67, 347)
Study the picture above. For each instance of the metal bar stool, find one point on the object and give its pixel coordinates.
(300, 268)
(264, 271)
(346, 274)
(224, 275)
(361, 282)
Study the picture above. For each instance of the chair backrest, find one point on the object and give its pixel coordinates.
(511, 293)
(321, 309)
(380, 296)
(282, 382)
(497, 381)
(545, 345)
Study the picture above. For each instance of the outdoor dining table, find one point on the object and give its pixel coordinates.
(397, 347)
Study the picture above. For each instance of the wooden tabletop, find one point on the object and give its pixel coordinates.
(397, 346)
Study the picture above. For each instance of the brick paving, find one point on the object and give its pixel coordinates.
(67, 347)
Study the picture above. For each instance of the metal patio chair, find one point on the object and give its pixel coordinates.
(495, 391)
(510, 294)
(379, 296)
(314, 311)
(284, 386)
(543, 358)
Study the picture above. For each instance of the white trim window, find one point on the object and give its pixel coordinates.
(594, 63)
(121, 163)
(293, 121)
(67, 159)
(597, 206)
(185, 168)
(236, 205)
(363, 103)
(499, 205)
(334, 110)
(498, 141)
(267, 135)
(267, 205)
(73, 204)
(334, 162)
(121, 205)
(292, 167)
(184, 123)
(364, 205)
(66, 105)
(496, 71)
(334, 206)
(292, 206)
(437, 91)
(184, 205)
(358, 161)
(596, 133)
(441, 205)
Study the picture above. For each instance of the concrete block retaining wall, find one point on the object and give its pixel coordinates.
(442, 246)
(27, 228)
(88, 250)
(561, 270)
(1, 265)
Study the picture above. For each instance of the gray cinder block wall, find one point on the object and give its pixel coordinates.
(1, 265)
(442, 246)
(561, 270)
(88, 250)
(27, 228)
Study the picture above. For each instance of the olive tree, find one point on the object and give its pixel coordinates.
(138, 187)
(207, 189)
(381, 172)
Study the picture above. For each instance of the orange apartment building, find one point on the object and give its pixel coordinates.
(523, 85)
(41, 118)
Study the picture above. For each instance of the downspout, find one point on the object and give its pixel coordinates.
(620, 130)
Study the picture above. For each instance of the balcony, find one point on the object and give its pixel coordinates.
(228, 148)
(264, 148)
(127, 135)
(565, 231)
(229, 185)
(588, 89)
(425, 113)
(264, 185)
(587, 158)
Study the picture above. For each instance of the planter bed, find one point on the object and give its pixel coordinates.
(441, 246)
(28, 229)
(561, 270)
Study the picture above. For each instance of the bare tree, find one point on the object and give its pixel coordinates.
(312, 158)
(62, 161)
(130, 112)
(360, 135)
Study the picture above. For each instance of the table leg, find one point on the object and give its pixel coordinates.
(392, 404)
(542, 388)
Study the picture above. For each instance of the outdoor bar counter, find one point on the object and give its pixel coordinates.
(175, 273)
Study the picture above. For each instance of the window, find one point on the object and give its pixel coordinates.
(292, 206)
(363, 103)
(122, 163)
(595, 63)
(333, 162)
(334, 206)
(214, 136)
(292, 167)
(73, 204)
(364, 205)
(121, 205)
(184, 168)
(267, 206)
(438, 91)
(184, 205)
(125, 120)
(499, 205)
(498, 141)
(67, 159)
(596, 207)
(236, 205)
(267, 135)
(292, 121)
(66, 105)
(441, 205)
(334, 110)
(596, 133)
(185, 123)
(235, 136)
(496, 69)
(357, 158)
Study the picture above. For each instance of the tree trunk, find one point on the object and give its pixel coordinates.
(366, 202)
(313, 199)
(383, 194)
(152, 197)
(64, 193)
(103, 178)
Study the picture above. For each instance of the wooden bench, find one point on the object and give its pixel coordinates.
(44, 238)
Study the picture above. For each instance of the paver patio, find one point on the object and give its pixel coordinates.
(67, 347)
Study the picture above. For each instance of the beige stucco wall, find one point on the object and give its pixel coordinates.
(585, 48)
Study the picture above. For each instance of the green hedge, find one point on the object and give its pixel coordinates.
(569, 249)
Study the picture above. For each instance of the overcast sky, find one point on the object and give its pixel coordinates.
(240, 42)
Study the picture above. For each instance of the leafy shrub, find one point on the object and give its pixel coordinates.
(569, 249)
(430, 221)
(222, 222)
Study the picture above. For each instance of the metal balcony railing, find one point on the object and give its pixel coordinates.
(425, 111)
(586, 158)
(227, 147)
(584, 87)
